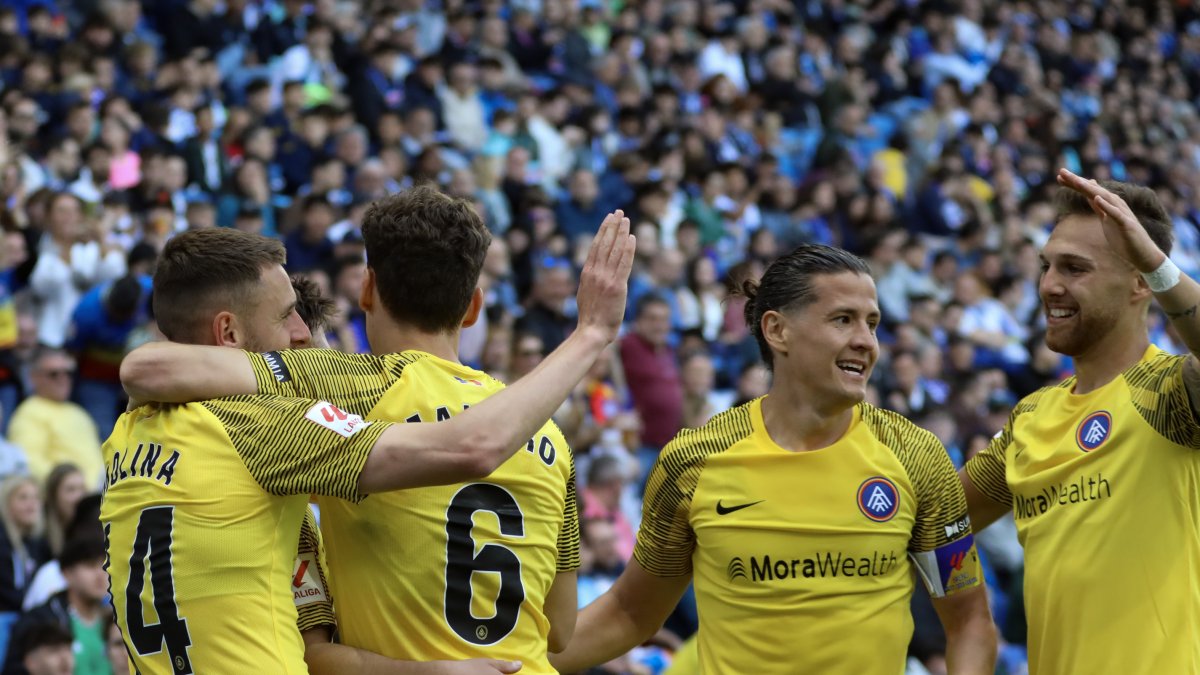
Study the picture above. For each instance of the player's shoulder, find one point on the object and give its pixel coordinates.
(245, 404)
(723, 430)
(1038, 398)
(336, 361)
(895, 430)
(415, 363)
(1153, 368)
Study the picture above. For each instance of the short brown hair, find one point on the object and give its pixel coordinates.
(205, 271)
(1141, 200)
(315, 309)
(426, 250)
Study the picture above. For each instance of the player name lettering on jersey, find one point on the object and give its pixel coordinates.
(146, 461)
(539, 446)
(1086, 489)
(820, 565)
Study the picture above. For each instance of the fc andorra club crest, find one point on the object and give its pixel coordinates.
(1094, 430)
(878, 499)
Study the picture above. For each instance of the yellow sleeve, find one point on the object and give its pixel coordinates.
(942, 546)
(568, 536)
(987, 468)
(666, 540)
(353, 382)
(1161, 398)
(294, 446)
(310, 585)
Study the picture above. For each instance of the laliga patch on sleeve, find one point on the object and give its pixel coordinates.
(335, 419)
(306, 582)
(949, 568)
(277, 367)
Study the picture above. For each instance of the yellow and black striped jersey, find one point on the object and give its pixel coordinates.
(202, 508)
(449, 572)
(1103, 486)
(310, 581)
(802, 559)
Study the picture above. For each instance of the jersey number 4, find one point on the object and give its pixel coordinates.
(462, 562)
(153, 544)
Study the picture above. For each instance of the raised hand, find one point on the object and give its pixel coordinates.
(604, 282)
(1124, 233)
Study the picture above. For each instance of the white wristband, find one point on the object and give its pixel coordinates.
(1164, 278)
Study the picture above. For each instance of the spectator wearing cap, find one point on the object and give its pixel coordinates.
(80, 609)
(49, 427)
(546, 316)
(103, 321)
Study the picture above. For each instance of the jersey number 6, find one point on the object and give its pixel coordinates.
(462, 562)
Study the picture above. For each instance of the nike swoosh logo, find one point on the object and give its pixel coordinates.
(726, 510)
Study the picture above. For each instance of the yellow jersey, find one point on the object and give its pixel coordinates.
(1103, 486)
(310, 580)
(803, 561)
(449, 572)
(202, 510)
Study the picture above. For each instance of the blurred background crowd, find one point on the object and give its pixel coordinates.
(920, 134)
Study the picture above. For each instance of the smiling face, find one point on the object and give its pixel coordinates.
(829, 346)
(1086, 290)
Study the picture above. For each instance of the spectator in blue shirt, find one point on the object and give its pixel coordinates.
(102, 323)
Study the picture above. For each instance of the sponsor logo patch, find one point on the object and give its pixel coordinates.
(878, 499)
(1094, 430)
(277, 367)
(335, 419)
(957, 564)
(306, 582)
(958, 527)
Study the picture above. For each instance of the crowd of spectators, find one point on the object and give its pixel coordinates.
(920, 134)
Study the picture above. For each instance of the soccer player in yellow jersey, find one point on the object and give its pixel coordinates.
(204, 501)
(1101, 470)
(478, 569)
(803, 515)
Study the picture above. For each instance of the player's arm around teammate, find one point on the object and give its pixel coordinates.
(467, 446)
